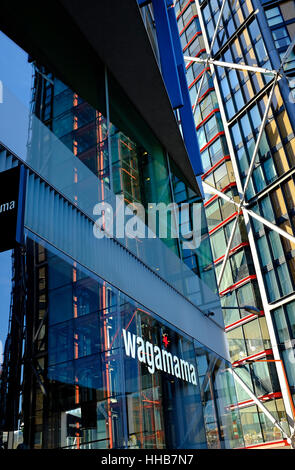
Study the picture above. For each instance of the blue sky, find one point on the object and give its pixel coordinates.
(16, 74)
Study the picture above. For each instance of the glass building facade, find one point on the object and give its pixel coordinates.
(70, 378)
(97, 396)
(228, 115)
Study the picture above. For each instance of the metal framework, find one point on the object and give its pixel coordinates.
(241, 206)
(277, 75)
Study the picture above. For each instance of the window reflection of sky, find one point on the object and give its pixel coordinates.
(16, 75)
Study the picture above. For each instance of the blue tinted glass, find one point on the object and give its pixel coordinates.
(224, 87)
(261, 52)
(239, 100)
(233, 79)
(276, 245)
(259, 178)
(242, 160)
(230, 109)
(272, 12)
(272, 286)
(245, 126)
(290, 308)
(270, 171)
(237, 137)
(255, 117)
(266, 209)
(263, 250)
(281, 325)
(254, 30)
(284, 277)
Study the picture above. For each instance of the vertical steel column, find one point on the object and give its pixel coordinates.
(260, 280)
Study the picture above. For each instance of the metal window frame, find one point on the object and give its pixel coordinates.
(242, 206)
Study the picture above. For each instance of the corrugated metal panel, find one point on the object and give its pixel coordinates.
(50, 216)
(56, 221)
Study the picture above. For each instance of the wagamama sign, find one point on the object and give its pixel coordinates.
(158, 359)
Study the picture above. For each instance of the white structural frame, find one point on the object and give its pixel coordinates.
(260, 405)
(242, 204)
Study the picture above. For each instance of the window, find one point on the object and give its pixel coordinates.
(251, 425)
(281, 37)
(224, 87)
(272, 286)
(242, 160)
(254, 30)
(237, 237)
(266, 209)
(278, 203)
(290, 308)
(255, 117)
(218, 243)
(284, 277)
(233, 79)
(237, 346)
(274, 16)
(269, 170)
(259, 179)
(253, 337)
(227, 279)
(261, 52)
(213, 214)
(206, 160)
(246, 295)
(245, 126)
(239, 100)
(230, 315)
(230, 108)
(236, 134)
(276, 245)
(263, 250)
(244, 373)
(281, 325)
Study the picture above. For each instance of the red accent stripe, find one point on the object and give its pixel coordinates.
(204, 94)
(198, 33)
(224, 222)
(196, 55)
(264, 444)
(198, 77)
(223, 190)
(187, 24)
(216, 110)
(233, 250)
(207, 203)
(223, 159)
(269, 396)
(184, 8)
(212, 140)
(238, 284)
(242, 320)
(266, 352)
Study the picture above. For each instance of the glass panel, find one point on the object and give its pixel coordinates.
(276, 245)
(272, 286)
(251, 426)
(263, 250)
(270, 432)
(290, 308)
(253, 337)
(285, 280)
(218, 243)
(230, 315)
(281, 325)
(237, 346)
